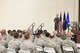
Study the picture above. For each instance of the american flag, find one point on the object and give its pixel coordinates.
(60, 24)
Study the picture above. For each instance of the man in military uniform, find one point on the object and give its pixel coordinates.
(56, 20)
(69, 43)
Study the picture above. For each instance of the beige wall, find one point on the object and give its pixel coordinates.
(19, 14)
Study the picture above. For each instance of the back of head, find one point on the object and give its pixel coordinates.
(14, 30)
(3, 31)
(54, 33)
(38, 35)
(45, 31)
(16, 35)
(47, 34)
(1, 38)
(26, 35)
(19, 31)
(69, 34)
(40, 31)
(9, 31)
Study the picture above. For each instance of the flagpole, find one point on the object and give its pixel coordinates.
(68, 28)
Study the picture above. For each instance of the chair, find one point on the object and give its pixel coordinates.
(79, 50)
(9, 50)
(49, 50)
(68, 49)
(78, 45)
(39, 49)
(24, 51)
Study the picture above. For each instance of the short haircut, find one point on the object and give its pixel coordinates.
(45, 31)
(47, 34)
(19, 31)
(16, 35)
(9, 31)
(14, 30)
(40, 31)
(27, 35)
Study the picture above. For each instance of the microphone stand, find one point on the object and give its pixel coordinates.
(43, 48)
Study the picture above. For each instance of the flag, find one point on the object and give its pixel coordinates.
(60, 23)
(64, 22)
(68, 20)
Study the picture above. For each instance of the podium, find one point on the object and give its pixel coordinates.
(77, 35)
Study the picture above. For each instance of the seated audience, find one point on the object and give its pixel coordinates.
(56, 42)
(56, 39)
(15, 42)
(38, 40)
(3, 32)
(25, 40)
(69, 43)
(20, 35)
(2, 48)
(7, 38)
(27, 43)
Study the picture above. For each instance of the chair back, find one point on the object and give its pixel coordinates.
(49, 50)
(68, 49)
(9, 50)
(78, 45)
(24, 51)
(39, 48)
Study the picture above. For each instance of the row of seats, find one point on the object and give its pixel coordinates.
(45, 50)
